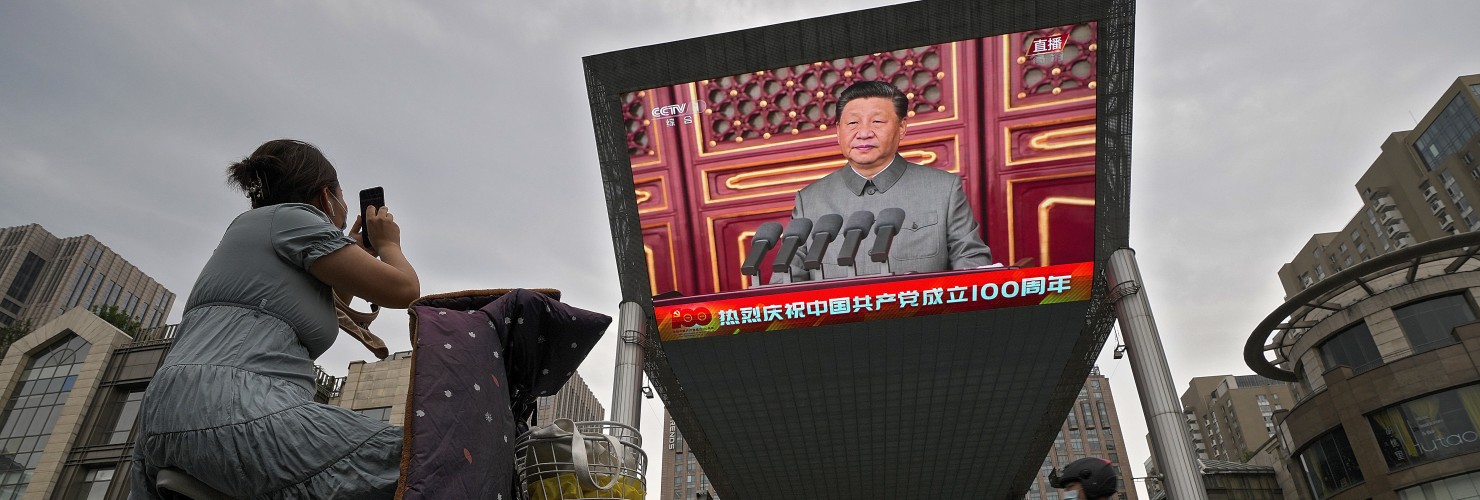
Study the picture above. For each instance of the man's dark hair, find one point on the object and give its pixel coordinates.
(867, 88)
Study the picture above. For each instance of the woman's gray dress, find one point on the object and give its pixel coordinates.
(233, 404)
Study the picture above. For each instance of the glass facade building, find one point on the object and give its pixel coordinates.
(33, 409)
(67, 428)
(49, 276)
(1448, 133)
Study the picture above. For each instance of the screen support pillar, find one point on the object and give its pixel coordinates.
(1171, 442)
(627, 381)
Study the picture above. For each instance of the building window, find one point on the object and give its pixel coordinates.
(382, 414)
(95, 484)
(123, 413)
(1450, 487)
(1429, 428)
(1352, 347)
(33, 409)
(1429, 324)
(92, 292)
(25, 279)
(1448, 133)
(1330, 465)
(79, 283)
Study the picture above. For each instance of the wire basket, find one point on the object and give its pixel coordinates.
(611, 467)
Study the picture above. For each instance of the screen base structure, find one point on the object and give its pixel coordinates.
(928, 407)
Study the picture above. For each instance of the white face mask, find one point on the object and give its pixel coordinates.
(1071, 495)
(344, 209)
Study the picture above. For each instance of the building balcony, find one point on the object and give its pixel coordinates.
(1429, 193)
(1390, 216)
(1383, 202)
(326, 386)
(153, 335)
(1397, 230)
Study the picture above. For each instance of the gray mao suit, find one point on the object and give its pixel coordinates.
(939, 234)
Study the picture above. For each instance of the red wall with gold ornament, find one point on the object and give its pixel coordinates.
(1019, 130)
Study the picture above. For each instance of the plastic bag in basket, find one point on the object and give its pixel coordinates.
(565, 486)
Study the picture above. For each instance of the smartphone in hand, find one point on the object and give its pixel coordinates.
(373, 197)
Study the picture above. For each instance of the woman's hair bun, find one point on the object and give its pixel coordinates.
(254, 175)
(282, 171)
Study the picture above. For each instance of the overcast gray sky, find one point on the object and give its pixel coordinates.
(117, 119)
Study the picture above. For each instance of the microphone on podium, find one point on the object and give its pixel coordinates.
(765, 238)
(855, 229)
(823, 233)
(887, 227)
(795, 236)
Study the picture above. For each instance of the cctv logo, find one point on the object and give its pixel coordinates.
(685, 318)
(672, 114)
(669, 110)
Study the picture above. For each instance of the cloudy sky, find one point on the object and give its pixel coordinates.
(117, 119)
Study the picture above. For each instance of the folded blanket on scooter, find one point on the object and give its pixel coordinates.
(480, 359)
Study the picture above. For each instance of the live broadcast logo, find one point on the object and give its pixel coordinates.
(1048, 44)
(674, 114)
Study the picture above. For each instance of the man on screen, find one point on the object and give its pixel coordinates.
(939, 232)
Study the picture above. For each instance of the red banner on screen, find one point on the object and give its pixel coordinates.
(906, 297)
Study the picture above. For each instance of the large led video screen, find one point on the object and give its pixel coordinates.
(954, 177)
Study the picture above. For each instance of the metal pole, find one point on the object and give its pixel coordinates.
(1171, 442)
(627, 382)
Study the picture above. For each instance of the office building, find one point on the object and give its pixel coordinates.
(1231, 416)
(681, 478)
(1385, 353)
(379, 388)
(1420, 187)
(72, 389)
(43, 276)
(1092, 429)
(1225, 481)
(575, 401)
